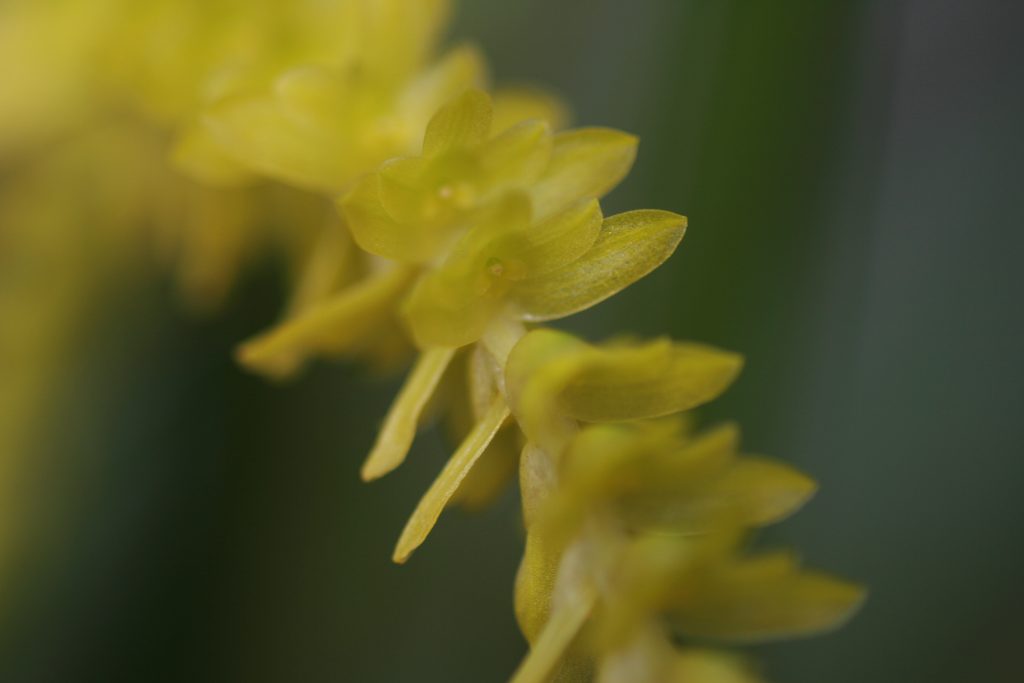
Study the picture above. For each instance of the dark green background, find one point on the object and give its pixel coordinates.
(851, 171)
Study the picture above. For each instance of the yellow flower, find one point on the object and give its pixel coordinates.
(484, 233)
(554, 380)
(464, 206)
(638, 524)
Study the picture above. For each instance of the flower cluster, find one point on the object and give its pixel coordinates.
(426, 213)
(635, 521)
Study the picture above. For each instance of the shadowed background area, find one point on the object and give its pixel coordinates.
(850, 172)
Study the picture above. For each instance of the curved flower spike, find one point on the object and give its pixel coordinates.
(554, 379)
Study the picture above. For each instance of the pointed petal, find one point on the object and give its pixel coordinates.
(406, 193)
(434, 501)
(766, 490)
(375, 231)
(399, 429)
(560, 240)
(765, 599)
(463, 122)
(257, 133)
(515, 158)
(315, 97)
(335, 325)
(442, 311)
(492, 473)
(629, 247)
(585, 163)
(460, 68)
(648, 380)
(538, 367)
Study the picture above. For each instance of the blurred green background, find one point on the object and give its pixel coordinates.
(851, 172)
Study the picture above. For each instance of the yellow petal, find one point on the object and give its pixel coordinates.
(463, 122)
(585, 163)
(765, 599)
(461, 68)
(552, 377)
(399, 429)
(441, 311)
(257, 133)
(768, 491)
(492, 473)
(375, 231)
(553, 644)
(655, 481)
(434, 501)
(316, 97)
(406, 192)
(629, 247)
(334, 325)
(558, 241)
(648, 380)
(515, 158)
(539, 366)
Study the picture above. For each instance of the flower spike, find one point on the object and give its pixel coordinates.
(460, 218)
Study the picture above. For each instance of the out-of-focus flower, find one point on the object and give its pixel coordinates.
(94, 95)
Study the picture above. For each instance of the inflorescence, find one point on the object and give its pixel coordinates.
(428, 214)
